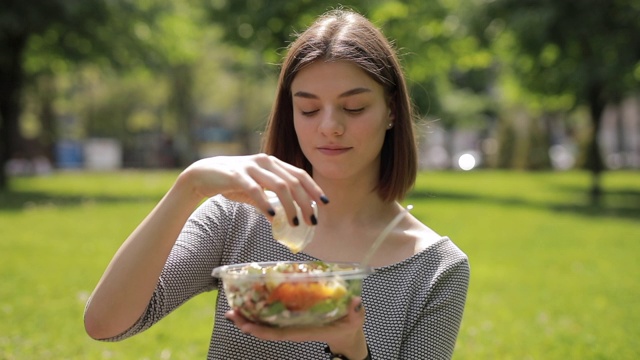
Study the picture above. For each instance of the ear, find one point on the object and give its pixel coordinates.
(392, 113)
(391, 117)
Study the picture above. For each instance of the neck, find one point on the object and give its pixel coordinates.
(352, 201)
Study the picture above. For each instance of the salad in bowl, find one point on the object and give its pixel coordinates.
(286, 293)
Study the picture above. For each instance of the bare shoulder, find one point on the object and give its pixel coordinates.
(422, 235)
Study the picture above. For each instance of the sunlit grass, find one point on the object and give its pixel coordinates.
(54, 248)
(552, 276)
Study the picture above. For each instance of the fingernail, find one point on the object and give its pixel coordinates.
(295, 221)
(358, 307)
(324, 199)
(271, 212)
(314, 221)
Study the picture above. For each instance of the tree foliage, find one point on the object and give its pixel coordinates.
(53, 37)
(466, 60)
(266, 26)
(431, 36)
(19, 22)
(584, 49)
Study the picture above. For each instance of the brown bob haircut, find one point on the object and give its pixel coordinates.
(343, 35)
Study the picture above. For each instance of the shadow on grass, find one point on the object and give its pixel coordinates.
(620, 203)
(19, 200)
(624, 202)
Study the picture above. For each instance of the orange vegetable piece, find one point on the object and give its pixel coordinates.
(302, 296)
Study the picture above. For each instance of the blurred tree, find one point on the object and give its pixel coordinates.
(59, 34)
(586, 50)
(447, 70)
(267, 26)
(259, 32)
(439, 55)
(155, 96)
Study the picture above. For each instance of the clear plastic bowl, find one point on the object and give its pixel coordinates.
(285, 293)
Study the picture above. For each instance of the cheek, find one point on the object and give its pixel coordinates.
(297, 126)
(374, 127)
(302, 129)
(375, 134)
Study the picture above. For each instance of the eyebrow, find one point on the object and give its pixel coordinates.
(356, 91)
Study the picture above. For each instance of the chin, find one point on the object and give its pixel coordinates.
(332, 172)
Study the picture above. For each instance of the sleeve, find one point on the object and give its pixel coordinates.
(434, 333)
(187, 272)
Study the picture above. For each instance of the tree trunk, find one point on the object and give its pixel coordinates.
(48, 135)
(11, 78)
(594, 162)
(181, 104)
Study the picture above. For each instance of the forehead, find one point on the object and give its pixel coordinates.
(333, 77)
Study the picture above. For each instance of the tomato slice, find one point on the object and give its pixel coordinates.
(299, 296)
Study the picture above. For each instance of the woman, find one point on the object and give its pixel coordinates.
(341, 129)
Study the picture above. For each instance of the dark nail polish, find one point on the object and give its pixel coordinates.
(295, 221)
(314, 221)
(271, 212)
(324, 199)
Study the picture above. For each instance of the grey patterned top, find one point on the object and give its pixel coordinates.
(413, 308)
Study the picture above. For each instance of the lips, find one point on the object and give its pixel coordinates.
(333, 150)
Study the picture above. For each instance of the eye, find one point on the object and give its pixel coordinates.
(308, 113)
(354, 111)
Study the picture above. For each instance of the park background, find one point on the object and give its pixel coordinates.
(529, 132)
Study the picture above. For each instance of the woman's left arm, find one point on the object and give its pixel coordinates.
(435, 332)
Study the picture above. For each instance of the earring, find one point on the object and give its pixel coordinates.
(390, 125)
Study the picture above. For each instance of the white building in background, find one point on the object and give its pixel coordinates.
(453, 149)
(102, 154)
(619, 138)
(620, 135)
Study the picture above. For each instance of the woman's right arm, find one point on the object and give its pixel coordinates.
(123, 293)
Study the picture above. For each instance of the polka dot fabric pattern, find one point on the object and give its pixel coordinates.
(413, 308)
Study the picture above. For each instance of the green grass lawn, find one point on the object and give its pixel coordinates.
(552, 277)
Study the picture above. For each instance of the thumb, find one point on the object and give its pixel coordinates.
(357, 304)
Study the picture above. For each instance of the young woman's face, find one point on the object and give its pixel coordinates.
(340, 116)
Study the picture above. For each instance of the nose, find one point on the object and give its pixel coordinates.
(331, 123)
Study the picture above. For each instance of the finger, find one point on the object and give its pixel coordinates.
(270, 180)
(300, 188)
(254, 329)
(326, 333)
(279, 334)
(287, 182)
(359, 307)
(307, 182)
(252, 176)
(251, 186)
(240, 321)
(272, 333)
(358, 311)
